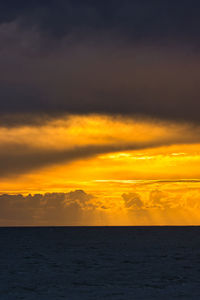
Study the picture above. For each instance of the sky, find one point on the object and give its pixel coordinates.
(99, 113)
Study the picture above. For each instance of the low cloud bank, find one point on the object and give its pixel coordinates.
(81, 208)
(47, 209)
(163, 200)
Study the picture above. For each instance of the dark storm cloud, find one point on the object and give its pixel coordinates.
(38, 209)
(130, 57)
(136, 19)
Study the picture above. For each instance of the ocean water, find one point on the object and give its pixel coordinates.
(100, 263)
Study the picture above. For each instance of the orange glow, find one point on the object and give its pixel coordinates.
(140, 172)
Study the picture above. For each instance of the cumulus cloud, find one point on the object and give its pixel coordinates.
(82, 199)
(47, 209)
(133, 201)
(162, 200)
(81, 208)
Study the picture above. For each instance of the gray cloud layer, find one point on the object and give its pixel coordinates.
(20, 158)
(146, 19)
(93, 73)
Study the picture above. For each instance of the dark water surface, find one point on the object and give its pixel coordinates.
(100, 263)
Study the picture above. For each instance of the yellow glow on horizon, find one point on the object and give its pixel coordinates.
(155, 163)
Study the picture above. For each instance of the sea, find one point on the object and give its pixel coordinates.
(77, 263)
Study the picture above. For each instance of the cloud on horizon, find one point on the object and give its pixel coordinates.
(133, 201)
(81, 208)
(50, 208)
(157, 199)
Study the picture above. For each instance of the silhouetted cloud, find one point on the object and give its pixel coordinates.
(133, 201)
(162, 200)
(81, 208)
(79, 197)
(38, 209)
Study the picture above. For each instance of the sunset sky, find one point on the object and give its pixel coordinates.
(99, 113)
